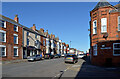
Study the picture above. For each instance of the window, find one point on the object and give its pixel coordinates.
(15, 39)
(15, 28)
(27, 33)
(118, 23)
(3, 50)
(103, 25)
(95, 27)
(2, 36)
(36, 36)
(116, 49)
(15, 51)
(3, 24)
(43, 42)
(95, 50)
(27, 41)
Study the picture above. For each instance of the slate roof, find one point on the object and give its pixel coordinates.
(102, 4)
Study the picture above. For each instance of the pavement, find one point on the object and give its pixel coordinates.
(57, 69)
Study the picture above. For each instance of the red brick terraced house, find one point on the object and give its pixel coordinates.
(105, 34)
(10, 38)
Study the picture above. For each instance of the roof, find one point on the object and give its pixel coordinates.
(102, 3)
(10, 20)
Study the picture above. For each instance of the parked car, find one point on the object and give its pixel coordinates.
(34, 58)
(80, 55)
(72, 58)
(57, 56)
(48, 56)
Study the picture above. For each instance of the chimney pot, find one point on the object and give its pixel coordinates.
(16, 18)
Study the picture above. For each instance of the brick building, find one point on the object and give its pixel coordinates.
(105, 34)
(10, 38)
(31, 41)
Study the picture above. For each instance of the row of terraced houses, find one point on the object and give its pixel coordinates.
(19, 42)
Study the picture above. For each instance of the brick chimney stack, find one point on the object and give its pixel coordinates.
(16, 18)
(34, 27)
(42, 30)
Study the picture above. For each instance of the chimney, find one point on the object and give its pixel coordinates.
(16, 18)
(53, 36)
(42, 30)
(47, 31)
(34, 27)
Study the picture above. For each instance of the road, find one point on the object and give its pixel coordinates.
(56, 68)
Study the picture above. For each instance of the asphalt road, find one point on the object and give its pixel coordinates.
(56, 68)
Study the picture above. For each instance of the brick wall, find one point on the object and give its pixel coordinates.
(10, 42)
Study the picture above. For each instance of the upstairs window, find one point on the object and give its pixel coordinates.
(36, 36)
(2, 24)
(27, 41)
(95, 50)
(15, 39)
(118, 23)
(15, 28)
(103, 25)
(2, 36)
(95, 27)
(116, 49)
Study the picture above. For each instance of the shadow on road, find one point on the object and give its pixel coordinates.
(90, 71)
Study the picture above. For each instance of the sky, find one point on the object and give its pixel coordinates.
(67, 20)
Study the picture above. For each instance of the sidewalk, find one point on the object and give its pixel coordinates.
(14, 61)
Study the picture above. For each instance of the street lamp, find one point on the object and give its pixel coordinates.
(70, 44)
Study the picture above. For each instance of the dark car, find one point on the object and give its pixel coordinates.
(48, 56)
(57, 56)
(72, 58)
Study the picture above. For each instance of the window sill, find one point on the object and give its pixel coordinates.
(16, 56)
(94, 34)
(103, 32)
(4, 56)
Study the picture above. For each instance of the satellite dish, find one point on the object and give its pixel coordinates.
(105, 35)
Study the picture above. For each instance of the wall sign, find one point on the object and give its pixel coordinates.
(106, 48)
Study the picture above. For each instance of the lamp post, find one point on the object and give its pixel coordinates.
(70, 44)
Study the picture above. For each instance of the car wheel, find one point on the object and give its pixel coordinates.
(74, 62)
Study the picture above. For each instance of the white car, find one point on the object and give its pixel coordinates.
(80, 55)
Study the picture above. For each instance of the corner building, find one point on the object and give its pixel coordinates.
(105, 34)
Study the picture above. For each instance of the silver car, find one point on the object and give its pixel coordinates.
(72, 58)
(34, 58)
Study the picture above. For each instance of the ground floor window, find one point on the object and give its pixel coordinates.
(116, 48)
(3, 50)
(95, 50)
(15, 51)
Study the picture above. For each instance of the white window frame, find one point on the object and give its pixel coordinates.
(102, 25)
(94, 27)
(95, 50)
(118, 23)
(1, 31)
(114, 49)
(17, 29)
(5, 50)
(17, 38)
(17, 50)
